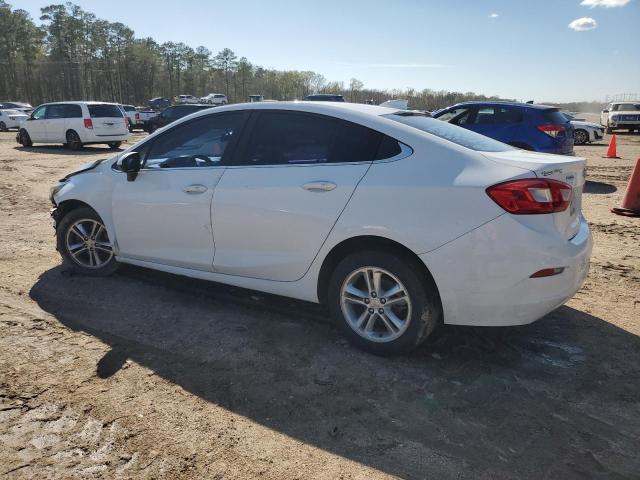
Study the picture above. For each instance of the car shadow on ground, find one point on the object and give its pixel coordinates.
(555, 399)
(62, 150)
(591, 186)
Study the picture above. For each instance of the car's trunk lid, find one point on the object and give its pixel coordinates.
(107, 119)
(571, 170)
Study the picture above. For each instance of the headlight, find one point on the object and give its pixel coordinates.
(54, 190)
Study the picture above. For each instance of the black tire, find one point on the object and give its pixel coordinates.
(425, 313)
(73, 140)
(25, 139)
(130, 129)
(3, 127)
(114, 145)
(580, 136)
(78, 262)
(151, 129)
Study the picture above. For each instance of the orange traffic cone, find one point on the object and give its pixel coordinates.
(611, 151)
(631, 202)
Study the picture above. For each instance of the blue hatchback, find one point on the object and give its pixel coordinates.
(531, 127)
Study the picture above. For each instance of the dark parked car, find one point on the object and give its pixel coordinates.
(324, 97)
(172, 114)
(159, 103)
(531, 127)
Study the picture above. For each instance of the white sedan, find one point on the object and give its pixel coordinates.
(11, 119)
(583, 131)
(395, 220)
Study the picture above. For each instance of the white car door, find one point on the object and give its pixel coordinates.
(164, 216)
(289, 182)
(36, 125)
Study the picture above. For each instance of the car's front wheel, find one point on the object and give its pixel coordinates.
(24, 139)
(382, 302)
(84, 243)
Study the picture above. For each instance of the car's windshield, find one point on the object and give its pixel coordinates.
(453, 133)
(626, 107)
(568, 116)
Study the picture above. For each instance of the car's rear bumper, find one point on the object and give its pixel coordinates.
(484, 276)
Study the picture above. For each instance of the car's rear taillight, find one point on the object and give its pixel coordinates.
(126, 122)
(531, 196)
(552, 130)
(137, 116)
(88, 123)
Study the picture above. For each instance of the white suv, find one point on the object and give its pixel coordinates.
(75, 124)
(621, 115)
(214, 99)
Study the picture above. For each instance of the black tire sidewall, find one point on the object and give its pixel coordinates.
(73, 145)
(426, 310)
(3, 127)
(25, 139)
(61, 233)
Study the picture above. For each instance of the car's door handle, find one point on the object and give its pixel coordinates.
(195, 188)
(321, 186)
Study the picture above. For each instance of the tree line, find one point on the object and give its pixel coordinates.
(73, 54)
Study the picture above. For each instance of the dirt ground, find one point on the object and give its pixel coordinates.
(148, 375)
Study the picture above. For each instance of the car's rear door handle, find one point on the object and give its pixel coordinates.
(195, 188)
(320, 186)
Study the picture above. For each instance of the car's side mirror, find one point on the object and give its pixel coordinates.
(130, 163)
(605, 111)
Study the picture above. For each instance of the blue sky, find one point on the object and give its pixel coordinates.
(528, 51)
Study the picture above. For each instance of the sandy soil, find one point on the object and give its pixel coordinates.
(147, 375)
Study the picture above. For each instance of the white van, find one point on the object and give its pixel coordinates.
(75, 124)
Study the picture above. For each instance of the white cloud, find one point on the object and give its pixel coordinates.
(582, 24)
(494, 15)
(604, 3)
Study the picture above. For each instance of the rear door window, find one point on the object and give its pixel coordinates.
(497, 115)
(105, 111)
(294, 138)
(72, 111)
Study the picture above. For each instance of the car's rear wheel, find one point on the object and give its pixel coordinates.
(3, 127)
(580, 137)
(84, 243)
(382, 302)
(151, 129)
(73, 140)
(114, 145)
(24, 139)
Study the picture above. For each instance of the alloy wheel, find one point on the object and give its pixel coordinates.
(580, 137)
(375, 304)
(88, 243)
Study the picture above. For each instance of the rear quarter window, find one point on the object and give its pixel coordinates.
(554, 116)
(453, 133)
(105, 111)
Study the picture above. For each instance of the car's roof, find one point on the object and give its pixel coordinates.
(327, 107)
(80, 102)
(511, 104)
